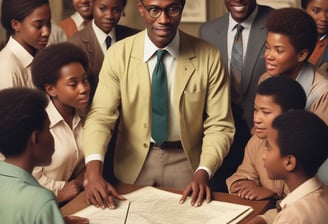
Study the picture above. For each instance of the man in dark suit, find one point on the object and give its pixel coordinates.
(220, 32)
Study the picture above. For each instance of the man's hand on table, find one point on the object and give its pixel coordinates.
(198, 188)
(98, 191)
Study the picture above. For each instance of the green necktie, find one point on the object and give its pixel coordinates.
(159, 100)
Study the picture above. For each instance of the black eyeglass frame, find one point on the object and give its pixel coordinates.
(167, 11)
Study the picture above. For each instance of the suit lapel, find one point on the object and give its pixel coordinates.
(222, 38)
(140, 67)
(184, 69)
(256, 41)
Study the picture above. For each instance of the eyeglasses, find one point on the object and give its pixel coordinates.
(154, 11)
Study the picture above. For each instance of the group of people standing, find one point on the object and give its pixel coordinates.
(213, 100)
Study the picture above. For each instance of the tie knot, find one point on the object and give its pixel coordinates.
(160, 54)
(108, 41)
(239, 28)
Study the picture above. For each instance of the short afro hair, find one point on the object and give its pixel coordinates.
(22, 112)
(304, 135)
(286, 92)
(297, 25)
(48, 62)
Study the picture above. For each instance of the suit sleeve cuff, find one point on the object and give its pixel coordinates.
(93, 157)
(208, 171)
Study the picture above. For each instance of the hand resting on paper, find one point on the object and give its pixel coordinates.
(198, 188)
(98, 191)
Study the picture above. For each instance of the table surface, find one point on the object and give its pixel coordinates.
(259, 207)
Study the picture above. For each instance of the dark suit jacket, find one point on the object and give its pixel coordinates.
(86, 39)
(215, 32)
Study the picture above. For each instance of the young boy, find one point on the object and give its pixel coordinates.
(100, 33)
(296, 147)
(26, 142)
(81, 17)
(274, 96)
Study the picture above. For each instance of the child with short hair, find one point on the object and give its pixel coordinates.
(60, 71)
(100, 33)
(274, 96)
(26, 142)
(296, 147)
(291, 38)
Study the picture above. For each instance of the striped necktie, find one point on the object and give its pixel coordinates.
(236, 64)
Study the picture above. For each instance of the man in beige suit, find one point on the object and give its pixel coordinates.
(200, 124)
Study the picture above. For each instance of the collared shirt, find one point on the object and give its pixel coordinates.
(319, 50)
(78, 20)
(23, 200)
(247, 24)
(308, 203)
(315, 85)
(68, 158)
(15, 63)
(169, 60)
(101, 36)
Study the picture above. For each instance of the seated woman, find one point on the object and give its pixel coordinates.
(60, 71)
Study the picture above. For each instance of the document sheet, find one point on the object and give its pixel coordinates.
(150, 205)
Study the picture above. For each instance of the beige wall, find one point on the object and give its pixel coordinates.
(215, 8)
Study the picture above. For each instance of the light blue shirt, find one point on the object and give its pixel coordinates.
(23, 200)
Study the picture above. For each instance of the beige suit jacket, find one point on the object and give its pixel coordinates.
(201, 103)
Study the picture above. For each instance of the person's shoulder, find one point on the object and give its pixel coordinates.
(82, 35)
(68, 21)
(264, 11)
(265, 8)
(215, 22)
(126, 29)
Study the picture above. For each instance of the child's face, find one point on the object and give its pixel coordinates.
(33, 32)
(265, 111)
(318, 9)
(107, 14)
(45, 146)
(72, 89)
(273, 162)
(280, 55)
(84, 8)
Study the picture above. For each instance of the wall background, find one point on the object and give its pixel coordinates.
(215, 8)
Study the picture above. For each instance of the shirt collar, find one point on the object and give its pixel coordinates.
(247, 23)
(78, 20)
(307, 187)
(55, 117)
(306, 76)
(20, 52)
(101, 35)
(151, 48)
(323, 37)
(10, 170)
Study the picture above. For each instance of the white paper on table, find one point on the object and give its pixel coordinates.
(149, 205)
